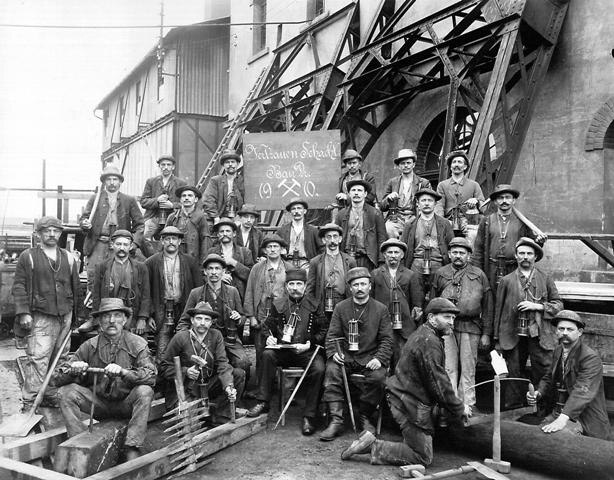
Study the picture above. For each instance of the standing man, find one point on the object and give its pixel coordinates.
(158, 198)
(573, 386)
(126, 388)
(248, 235)
(46, 292)
(419, 383)
(353, 163)
(362, 225)
(494, 248)
(359, 339)
(239, 260)
(467, 287)
(191, 222)
(326, 280)
(172, 276)
(115, 211)
(124, 277)
(458, 193)
(400, 191)
(397, 287)
(224, 194)
(294, 320)
(526, 300)
(301, 237)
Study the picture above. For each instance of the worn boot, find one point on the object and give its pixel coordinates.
(391, 453)
(359, 446)
(335, 425)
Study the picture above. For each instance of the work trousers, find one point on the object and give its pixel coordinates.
(425, 280)
(43, 342)
(370, 389)
(461, 356)
(271, 359)
(99, 254)
(398, 342)
(396, 224)
(152, 226)
(237, 356)
(75, 398)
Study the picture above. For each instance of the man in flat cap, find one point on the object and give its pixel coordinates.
(326, 281)
(362, 225)
(572, 389)
(158, 198)
(46, 292)
(239, 260)
(172, 276)
(359, 340)
(248, 234)
(527, 299)
(353, 162)
(419, 384)
(458, 193)
(398, 199)
(124, 277)
(467, 287)
(114, 211)
(224, 194)
(400, 289)
(126, 388)
(293, 321)
(218, 380)
(494, 247)
(302, 239)
(192, 222)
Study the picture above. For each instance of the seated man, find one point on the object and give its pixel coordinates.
(125, 390)
(573, 386)
(214, 380)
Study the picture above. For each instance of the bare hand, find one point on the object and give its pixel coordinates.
(526, 305)
(151, 325)
(193, 372)
(78, 368)
(468, 412)
(416, 313)
(303, 347)
(339, 359)
(167, 205)
(541, 238)
(253, 322)
(231, 392)
(485, 342)
(113, 370)
(472, 202)
(392, 196)
(86, 224)
(341, 197)
(234, 315)
(227, 278)
(498, 347)
(140, 326)
(25, 321)
(374, 364)
(532, 399)
(271, 340)
(557, 425)
(231, 261)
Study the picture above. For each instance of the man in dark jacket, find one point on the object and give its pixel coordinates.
(302, 239)
(172, 276)
(224, 194)
(419, 383)
(573, 387)
(353, 163)
(248, 234)
(359, 339)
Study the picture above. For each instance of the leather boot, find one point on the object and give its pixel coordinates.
(364, 417)
(335, 425)
(359, 446)
(391, 453)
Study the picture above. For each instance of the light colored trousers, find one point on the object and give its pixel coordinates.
(461, 350)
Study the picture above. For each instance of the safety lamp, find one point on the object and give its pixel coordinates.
(426, 267)
(397, 323)
(522, 327)
(353, 335)
(289, 328)
(329, 299)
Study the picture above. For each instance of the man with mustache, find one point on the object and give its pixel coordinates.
(301, 237)
(353, 162)
(248, 234)
(497, 235)
(225, 193)
(572, 389)
(458, 192)
(527, 299)
(467, 287)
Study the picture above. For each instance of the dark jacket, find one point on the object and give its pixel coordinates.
(394, 184)
(583, 379)
(154, 188)
(138, 298)
(313, 246)
(374, 329)
(371, 197)
(197, 234)
(132, 354)
(253, 243)
(214, 198)
(129, 217)
(409, 292)
(420, 380)
(316, 282)
(374, 230)
(190, 278)
(256, 287)
(444, 235)
(311, 326)
(240, 272)
(230, 301)
(509, 295)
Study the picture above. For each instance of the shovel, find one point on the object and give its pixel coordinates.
(20, 424)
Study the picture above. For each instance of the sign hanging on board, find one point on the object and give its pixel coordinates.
(279, 166)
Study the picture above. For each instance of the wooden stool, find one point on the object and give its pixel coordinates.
(359, 378)
(283, 374)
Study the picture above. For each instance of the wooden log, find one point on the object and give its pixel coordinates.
(91, 452)
(561, 453)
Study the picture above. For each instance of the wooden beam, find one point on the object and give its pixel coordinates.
(10, 468)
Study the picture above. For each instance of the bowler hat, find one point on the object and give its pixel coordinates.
(170, 158)
(121, 233)
(460, 242)
(539, 252)
(329, 227)
(503, 188)
(428, 191)
(225, 221)
(214, 257)
(229, 154)
(403, 154)
(182, 189)
(359, 181)
(112, 305)
(357, 272)
(248, 209)
(568, 315)
(296, 274)
(110, 171)
(170, 230)
(350, 154)
(393, 242)
(454, 154)
(295, 201)
(203, 308)
(273, 239)
(47, 222)
(441, 305)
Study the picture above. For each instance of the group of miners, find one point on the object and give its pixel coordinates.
(394, 296)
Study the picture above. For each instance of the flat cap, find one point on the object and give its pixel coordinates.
(214, 258)
(112, 305)
(428, 191)
(191, 188)
(440, 305)
(539, 252)
(225, 222)
(393, 242)
(122, 233)
(296, 274)
(229, 154)
(273, 239)
(455, 154)
(460, 242)
(568, 315)
(170, 158)
(47, 222)
(248, 209)
(111, 171)
(170, 230)
(357, 272)
(203, 308)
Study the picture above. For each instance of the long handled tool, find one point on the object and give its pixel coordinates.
(95, 371)
(20, 424)
(298, 385)
(346, 385)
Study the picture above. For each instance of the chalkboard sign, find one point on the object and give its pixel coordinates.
(279, 166)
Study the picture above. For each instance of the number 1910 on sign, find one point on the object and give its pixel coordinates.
(288, 188)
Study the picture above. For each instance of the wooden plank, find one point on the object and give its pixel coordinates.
(586, 291)
(10, 468)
